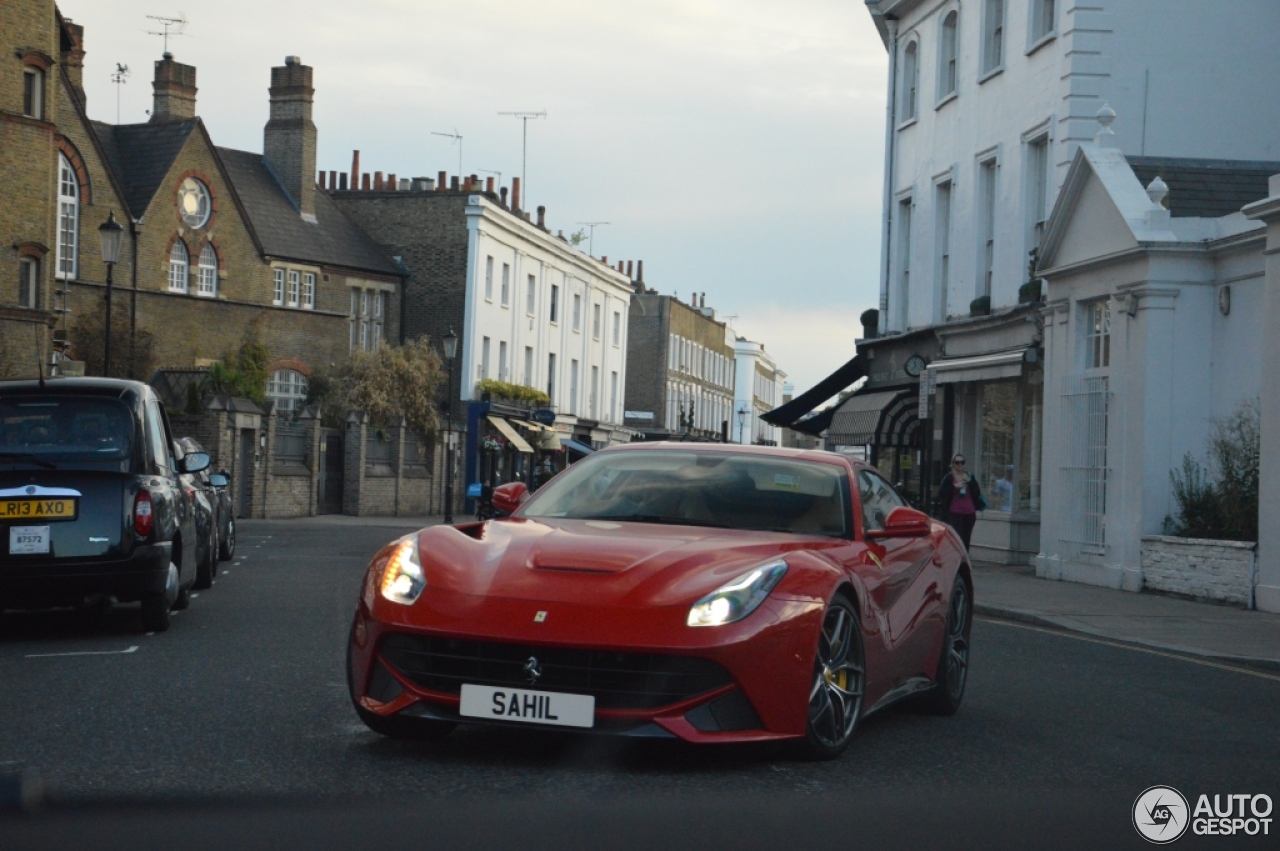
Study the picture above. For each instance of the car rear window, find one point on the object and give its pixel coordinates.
(57, 428)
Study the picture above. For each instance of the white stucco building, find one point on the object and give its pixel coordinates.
(988, 103)
(1153, 328)
(757, 390)
(544, 314)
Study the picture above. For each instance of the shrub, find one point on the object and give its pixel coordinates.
(505, 390)
(1220, 500)
(980, 306)
(388, 383)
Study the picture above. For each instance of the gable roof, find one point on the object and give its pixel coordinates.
(332, 240)
(1206, 188)
(141, 155)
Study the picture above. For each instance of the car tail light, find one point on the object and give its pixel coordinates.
(142, 520)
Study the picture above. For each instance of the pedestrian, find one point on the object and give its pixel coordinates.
(960, 499)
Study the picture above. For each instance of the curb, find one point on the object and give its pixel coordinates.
(1009, 613)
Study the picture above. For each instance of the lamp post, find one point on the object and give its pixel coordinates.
(742, 420)
(450, 349)
(109, 233)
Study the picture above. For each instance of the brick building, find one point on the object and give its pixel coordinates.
(219, 245)
(680, 368)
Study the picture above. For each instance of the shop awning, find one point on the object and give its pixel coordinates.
(881, 418)
(532, 426)
(787, 414)
(576, 446)
(979, 367)
(511, 434)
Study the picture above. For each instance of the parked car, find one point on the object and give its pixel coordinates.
(205, 499)
(693, 591)
(221, 483)
(91, 502)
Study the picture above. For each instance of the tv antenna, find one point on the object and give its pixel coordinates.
(491, 171)
(591, 235)
(524, 144)
(172, 28)
(458, 138)
(119, 76)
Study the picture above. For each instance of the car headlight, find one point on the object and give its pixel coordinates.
(739, 598)
(402, 579)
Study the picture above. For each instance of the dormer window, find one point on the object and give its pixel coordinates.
(33, 92)
(193, 203)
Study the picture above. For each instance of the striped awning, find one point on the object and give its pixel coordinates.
(979, 367)
(879, 418)
(511, 434)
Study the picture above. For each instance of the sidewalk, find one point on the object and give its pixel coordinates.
(1223, 633)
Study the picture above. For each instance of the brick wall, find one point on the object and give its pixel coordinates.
(1214, 570)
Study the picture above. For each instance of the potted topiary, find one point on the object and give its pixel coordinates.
(980, 306)
(870, 320)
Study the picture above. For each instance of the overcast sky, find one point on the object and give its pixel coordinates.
(736, 146)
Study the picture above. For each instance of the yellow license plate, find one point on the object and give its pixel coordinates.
(56, 508)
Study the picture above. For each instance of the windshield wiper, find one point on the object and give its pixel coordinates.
(28, 457)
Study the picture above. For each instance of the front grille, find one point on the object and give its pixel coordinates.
(616, 680)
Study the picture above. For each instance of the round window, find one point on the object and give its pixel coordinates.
(193, 202)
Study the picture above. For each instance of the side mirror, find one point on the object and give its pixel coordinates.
(507, 498)
(219, 480)
(903, 522)
(195, 462)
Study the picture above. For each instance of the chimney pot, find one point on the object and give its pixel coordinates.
(502, 193)
(403, 185)
(292, 60)
(355, 170)
(640, 271)
(333, 180)
(488, 185)
(364, 181)
(441, 182)
(320, 179)
(628, 268)
(391, 181)
(515, 193)
(453, 183)
(542, 217)
(377, 181)
(342, 182)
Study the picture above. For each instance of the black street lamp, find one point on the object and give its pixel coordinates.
(110, 233)
(742, 420)
(450, 349)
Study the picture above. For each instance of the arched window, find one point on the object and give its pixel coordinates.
(178, 268)
(288, 389)
(910, 80)
(947, 76)
(207, 279)
(68, 218)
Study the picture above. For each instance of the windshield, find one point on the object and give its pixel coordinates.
(64, 428)
(701, 488)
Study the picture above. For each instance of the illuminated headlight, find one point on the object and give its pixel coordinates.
(402, 580)
(739, 598)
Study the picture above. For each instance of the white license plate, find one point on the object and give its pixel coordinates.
(26, 540)
(531, 707)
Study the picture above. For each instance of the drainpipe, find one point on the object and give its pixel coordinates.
(135, 225)
(890, 136)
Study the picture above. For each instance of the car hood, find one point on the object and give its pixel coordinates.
(597, 562)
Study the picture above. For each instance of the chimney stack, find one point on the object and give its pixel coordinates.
(73, 58)
(515, 193)
(289, 141)
(174, 90)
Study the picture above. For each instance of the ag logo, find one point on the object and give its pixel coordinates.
(1161, 815)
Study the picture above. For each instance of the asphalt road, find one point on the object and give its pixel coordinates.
(243, 702)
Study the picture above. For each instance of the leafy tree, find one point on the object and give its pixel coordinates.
(1220, 501)
(388, 383)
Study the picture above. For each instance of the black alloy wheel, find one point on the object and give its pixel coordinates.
(839, 677)
(953, 657)
(227, 546)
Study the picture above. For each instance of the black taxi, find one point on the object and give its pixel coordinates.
(90, 499)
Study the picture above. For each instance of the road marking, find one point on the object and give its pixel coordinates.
(193, 596)
(1147, 650)
(132, 649)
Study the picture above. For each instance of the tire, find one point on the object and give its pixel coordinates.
(395, 726)
(953, 657)
(155, 612)
(207, 569)
(839, 677)
(227, 546)
(183, 599)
